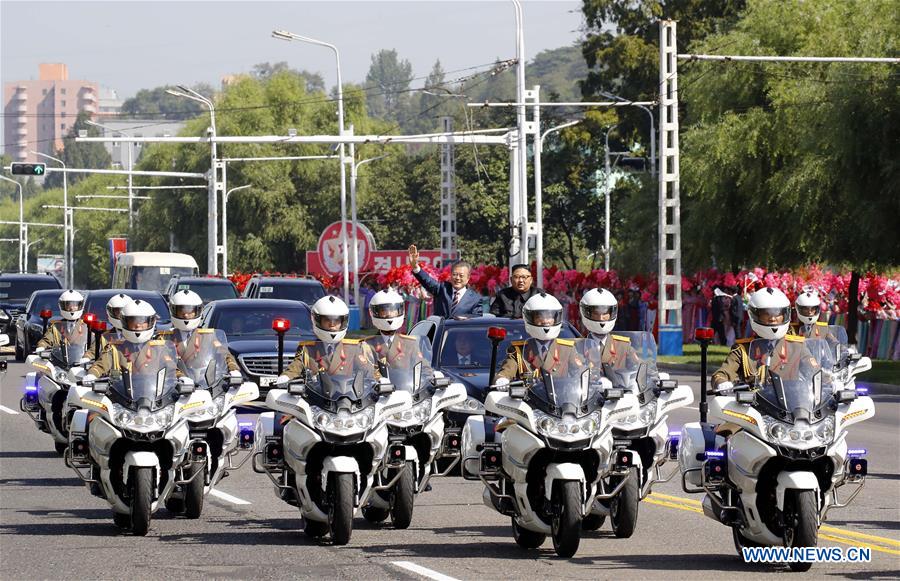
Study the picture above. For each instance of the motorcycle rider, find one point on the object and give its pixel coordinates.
(71, 325)
(544, 349)
(391, 348)
(333, 353)
(602, 349)
(184, 307)
(770, 312)
(114, 314)
(808, 306)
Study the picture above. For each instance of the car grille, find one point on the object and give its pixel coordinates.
(262, 364)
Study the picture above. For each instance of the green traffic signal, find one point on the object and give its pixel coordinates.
(28, 169)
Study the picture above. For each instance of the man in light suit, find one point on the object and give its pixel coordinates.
(452, 298)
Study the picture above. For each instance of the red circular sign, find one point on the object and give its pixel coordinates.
(331, 250)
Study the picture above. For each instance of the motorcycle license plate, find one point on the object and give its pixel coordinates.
(267, 380)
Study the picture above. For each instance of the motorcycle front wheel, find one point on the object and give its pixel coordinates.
(623, 511)
(141, 500)
(565, 528)
(193, 491)
(404, 499)
(341, 514)
(806, 531)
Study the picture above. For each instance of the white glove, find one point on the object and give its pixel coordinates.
(282, 380)
(235, 373)
(501, 381)
(88, 377)
(725, 386)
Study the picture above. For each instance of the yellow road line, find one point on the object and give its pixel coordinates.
(845, 536)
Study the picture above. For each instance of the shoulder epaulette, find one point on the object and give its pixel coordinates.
(203, 331)
(352, 341)
(621, 338)
(795, 338)
(402, 336)
(167, 332)
(306, 343)
(566, 342)
(156, 342)
(821, 323)
(518, 343)
(744, 340)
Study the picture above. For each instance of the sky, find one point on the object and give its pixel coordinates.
(130, 45)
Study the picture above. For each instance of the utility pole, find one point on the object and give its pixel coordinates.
(448, 197)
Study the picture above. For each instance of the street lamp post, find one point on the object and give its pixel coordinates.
(67, 230)
(130, 169)
(212, 218)
(290, 36)
(520, 124)
(652, 129)
(225, 227)
(28, 246)
(354, 172)
(538, 193)
(21, 217)
(608, 190)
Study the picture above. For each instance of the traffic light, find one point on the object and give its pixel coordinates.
(29, 169)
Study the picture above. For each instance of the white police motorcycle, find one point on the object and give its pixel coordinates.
(216, 436)
(416, 438)
(641, 439)
(555, 445)
(324, 445)
(131, 434)
(771, 470)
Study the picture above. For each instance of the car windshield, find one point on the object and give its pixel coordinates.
(45, 301)
(149, 380)
(256, 321)
(467, 346)
(73, 347)
(568, 391)
(303, 292)
(794, 381)
(96, 303)
(209, 292)
(155, 278)
(20, 290)
(202, 357)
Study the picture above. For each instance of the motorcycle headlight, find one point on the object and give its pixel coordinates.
(548, 425)
(121, 415)
(323, 419)
(219, 403)
(422, 410)
(825, 430)
(800, 435)
(648, 413)
(777, 431)
(470, 406)
(61, 376)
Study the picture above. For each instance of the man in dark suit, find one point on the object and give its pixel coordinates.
(509, 301)
(452, 298)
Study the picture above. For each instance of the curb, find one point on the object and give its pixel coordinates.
(874, 388)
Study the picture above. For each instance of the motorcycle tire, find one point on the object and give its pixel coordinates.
(193, 491)
(525, 538)
(141, 500)
(593, 522)
(565, 528)
(741, 542)
(60, 447)
(314, 529)
(623, 510)
(341, 514)
(175, 505)
(373, 514)
(404, 499)
(122, 520)
(806, 533)
(20, 353)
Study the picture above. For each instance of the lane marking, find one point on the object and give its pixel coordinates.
(227, 497)
(839, 535)
(3, 408)
(423, 571)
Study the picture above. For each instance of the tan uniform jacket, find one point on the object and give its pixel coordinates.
(350, 356)
(748, 355)
(523, 358)
(119, 355)
(404, 353)
(230, 362)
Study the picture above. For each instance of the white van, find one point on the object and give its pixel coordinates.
(151, 270)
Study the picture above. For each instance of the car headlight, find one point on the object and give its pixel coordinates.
(470, 406)
(554, 427)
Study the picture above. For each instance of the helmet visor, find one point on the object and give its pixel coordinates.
(185, 312)
(543, 317)
(114, 312)
(808, 311)
(139, 322)
(599, 313)
(770, 315)
(387, 310)
(70, 305)
(331, 323)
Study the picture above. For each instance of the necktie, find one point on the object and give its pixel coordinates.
(543, 351)
(456, 298)
(329, 350)
(463, 359)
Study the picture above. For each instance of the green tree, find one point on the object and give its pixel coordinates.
(387, 84)
(154, 103)
(263, 71)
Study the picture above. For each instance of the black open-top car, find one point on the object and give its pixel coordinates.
(29, 324)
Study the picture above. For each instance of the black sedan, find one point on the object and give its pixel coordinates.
(29, 325)
(209, 288)
(248, 325)
(96, 303)
(462, 351)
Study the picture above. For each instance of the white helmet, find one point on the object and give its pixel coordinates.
(185, 306)
(387, 310)
(114, 309)
(543, 317)
(595, 304)
(138, 321)
(330, 317)
(71, 305)
(766, 305)
(808, 305)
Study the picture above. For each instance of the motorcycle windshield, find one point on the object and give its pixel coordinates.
(633, 364)
(332, 389)
(408, 366)
(149, 377)
(798, 387)
(202, 357)
(565, 393)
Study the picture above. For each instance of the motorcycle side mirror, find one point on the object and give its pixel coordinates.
(666, 384)
(45, 355)
(845, 395)
(517, 391)
(296, 387)
(99, 387)
(185, 386)
(747, 397)
(440, 382)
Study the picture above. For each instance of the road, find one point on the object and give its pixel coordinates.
(50, 527)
